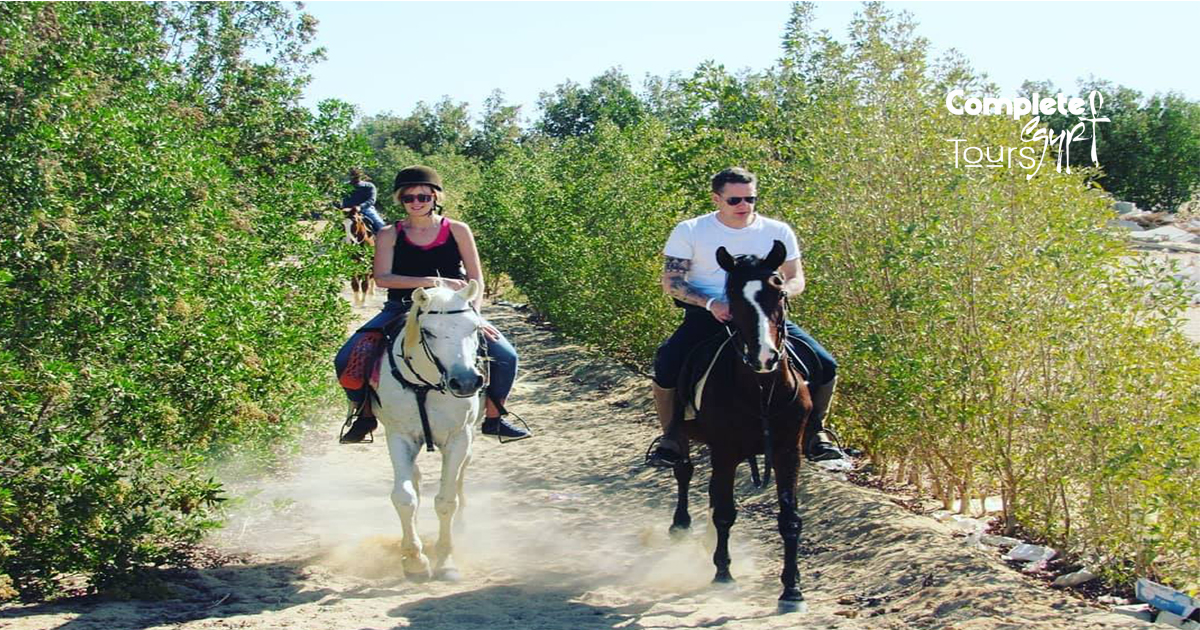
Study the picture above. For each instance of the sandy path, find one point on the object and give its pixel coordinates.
(568, 530)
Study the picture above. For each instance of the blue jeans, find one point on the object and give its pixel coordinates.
(372, 216)
(698, 325)
(503, 365)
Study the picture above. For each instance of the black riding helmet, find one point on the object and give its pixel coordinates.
(417, 176)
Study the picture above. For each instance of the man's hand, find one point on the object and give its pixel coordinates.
(490, 331)
(720, 310)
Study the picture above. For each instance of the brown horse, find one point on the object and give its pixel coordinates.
(358, 232)
(754, 402)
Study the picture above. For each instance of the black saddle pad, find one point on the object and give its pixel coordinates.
(696, 364)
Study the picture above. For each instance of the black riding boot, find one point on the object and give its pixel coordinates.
(363, 425)
(671, 450)
(817, 446)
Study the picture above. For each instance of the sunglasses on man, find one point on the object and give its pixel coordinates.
(411, 198)
(733, 201)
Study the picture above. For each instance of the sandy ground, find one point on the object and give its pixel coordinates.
(568, 530)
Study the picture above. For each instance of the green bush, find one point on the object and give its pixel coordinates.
(159, 301)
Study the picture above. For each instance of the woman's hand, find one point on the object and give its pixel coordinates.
(490, 331)
(454, 284)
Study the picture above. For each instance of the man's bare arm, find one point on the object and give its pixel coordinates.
(674, 282)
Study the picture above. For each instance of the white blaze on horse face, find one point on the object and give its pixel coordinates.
(348, 223)
(766, 345)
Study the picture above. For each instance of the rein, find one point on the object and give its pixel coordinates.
(423, 388)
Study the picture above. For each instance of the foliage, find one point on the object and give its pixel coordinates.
(1149, 152)
(159, 301)
(992, 337)
(572, 110)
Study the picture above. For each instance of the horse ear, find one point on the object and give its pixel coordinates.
(724, 259)
(420, 297)
(775, 258)
(471, 291)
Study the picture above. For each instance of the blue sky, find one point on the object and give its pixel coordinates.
(387, 56)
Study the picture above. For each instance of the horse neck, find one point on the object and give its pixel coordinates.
(781, 381)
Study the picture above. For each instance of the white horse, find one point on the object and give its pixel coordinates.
(437, 353)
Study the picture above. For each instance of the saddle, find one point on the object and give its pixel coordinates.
(366, 356)
(699, 363)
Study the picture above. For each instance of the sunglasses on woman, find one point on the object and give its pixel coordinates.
(411, 198)
(733, 201)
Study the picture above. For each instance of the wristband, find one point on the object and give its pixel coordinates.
(708, 304)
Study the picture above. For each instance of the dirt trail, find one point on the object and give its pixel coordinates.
(568, 530)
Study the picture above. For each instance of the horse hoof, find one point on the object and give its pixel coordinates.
(787, 606)
(724, 582)
(418, 576)
(679, 532)
(419, 571)
(449, 575)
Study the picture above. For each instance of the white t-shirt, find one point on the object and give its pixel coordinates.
(697, 240)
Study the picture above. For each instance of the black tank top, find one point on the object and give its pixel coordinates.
(438, 258)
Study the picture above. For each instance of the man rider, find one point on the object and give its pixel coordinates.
(693, 278)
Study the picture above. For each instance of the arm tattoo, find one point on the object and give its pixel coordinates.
(675, 282)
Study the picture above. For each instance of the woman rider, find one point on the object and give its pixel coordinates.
(426, 249)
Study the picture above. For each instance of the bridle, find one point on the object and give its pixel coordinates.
(359, 230)
(780, 330)
(441, 386)
(784, 365)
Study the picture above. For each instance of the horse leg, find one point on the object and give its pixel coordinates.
(787, 465)
(406, 496)
(460, 519)
(454, 457)
(724, 512)
(683, 479)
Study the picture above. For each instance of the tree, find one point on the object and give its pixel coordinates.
(498, 131)
(572, 110)
(1149, 151)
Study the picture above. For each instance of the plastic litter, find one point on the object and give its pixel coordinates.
(1004, 542)
(1141, 612)
(1074, 579)
(1026, 552)
(1165, 598)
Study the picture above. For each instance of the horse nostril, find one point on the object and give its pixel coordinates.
(454, 384)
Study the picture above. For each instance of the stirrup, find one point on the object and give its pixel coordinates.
(834, 451)
(659, 456)
(501, 421)
(351, 417)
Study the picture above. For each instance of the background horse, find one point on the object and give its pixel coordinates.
(434, 363)
(754, 402)
(358, 232)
